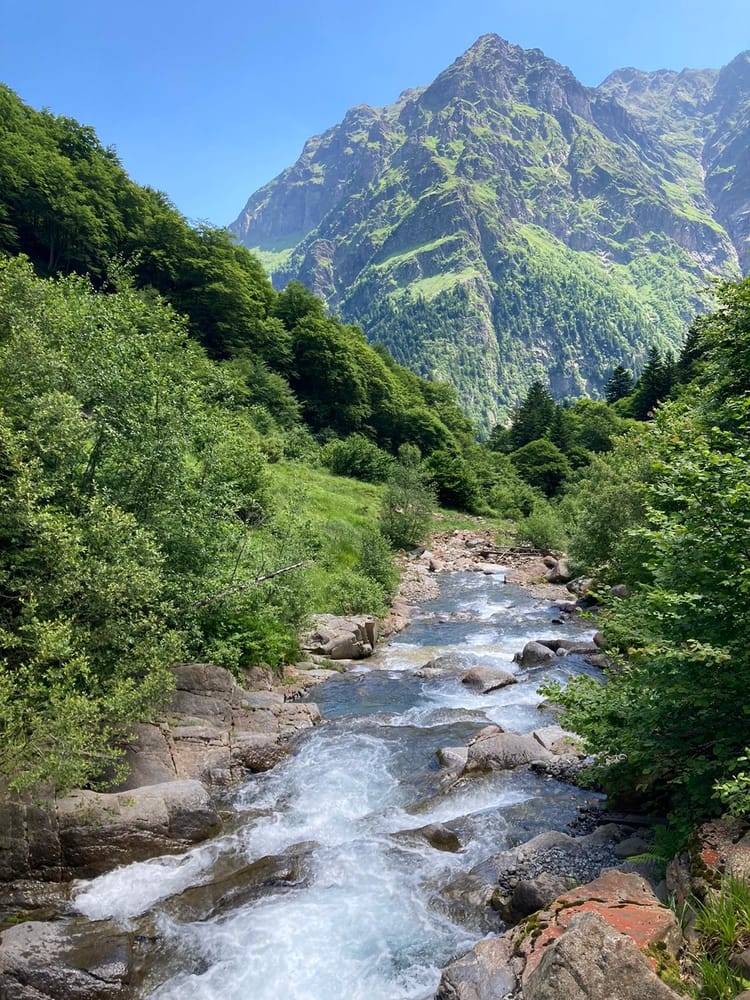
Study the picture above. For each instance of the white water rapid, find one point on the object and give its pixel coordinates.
(357, 913)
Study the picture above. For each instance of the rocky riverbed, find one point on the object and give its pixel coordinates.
(250, 854)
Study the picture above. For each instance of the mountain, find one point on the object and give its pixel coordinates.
(507, 223)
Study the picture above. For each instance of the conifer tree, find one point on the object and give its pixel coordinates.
(533, 417)
(618, 385)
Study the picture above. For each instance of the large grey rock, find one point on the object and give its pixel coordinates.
(486, 679)
(535, 654)
(487, 972)
(71, 960)
(99, 831)
(560, 573)
(556, 739)
(530, 895)
(592, 961)
(453, 756)
(503, 752)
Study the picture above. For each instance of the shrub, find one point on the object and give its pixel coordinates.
(407, 506)
(543, 527)
(357, 457)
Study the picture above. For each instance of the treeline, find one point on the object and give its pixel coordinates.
(67, 204)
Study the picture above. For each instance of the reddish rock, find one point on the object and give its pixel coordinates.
(625, 901)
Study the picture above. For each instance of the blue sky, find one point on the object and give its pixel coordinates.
(209, 100)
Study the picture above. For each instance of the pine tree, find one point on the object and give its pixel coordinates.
(533, 417)
(618, 385)
(651, 387)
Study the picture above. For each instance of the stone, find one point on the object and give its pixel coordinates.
(556, 739)
(437, 835)
(99, 831)
(71, 960)
(619, 590)
(567, 607)
(550, 562)
(487, 972)
(530, 895)
(504, 752)
(486, 679)
(622, 900)
(535, 654)
(449, 663)
(454, 757)
(491, 569)
(591, 960)
(559, 573)
(341, 637)
(631, 846)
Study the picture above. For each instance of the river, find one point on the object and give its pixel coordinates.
(357, 912)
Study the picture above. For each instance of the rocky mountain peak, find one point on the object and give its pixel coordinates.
(507, 223)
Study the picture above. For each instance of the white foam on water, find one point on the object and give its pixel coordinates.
(133, 889)
(363, 931)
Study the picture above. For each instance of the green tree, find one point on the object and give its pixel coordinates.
(533, 417)
(542, 465)
(618, 385)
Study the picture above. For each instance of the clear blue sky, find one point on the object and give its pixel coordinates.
(209, 100)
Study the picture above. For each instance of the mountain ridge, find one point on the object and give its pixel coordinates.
(448, 222)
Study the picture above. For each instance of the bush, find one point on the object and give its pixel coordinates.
(543, 527)
(407, 506)
(357, 457)
(352, 593)
(376, 561)
(454, 481)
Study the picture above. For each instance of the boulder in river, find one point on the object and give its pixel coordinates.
(486, 679)
(448, 663)
(71, 960)
(535, 654)
(437, 835)
(504, 752)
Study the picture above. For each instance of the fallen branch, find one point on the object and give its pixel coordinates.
(231, 591)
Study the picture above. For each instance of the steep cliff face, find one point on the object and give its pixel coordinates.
(506, 222)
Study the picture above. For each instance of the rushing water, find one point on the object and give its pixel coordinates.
(360, 915)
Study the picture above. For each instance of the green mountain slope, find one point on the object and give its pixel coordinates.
(507, 223)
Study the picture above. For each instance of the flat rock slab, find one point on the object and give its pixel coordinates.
(504, 752)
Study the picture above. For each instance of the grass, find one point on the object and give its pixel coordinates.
(723, 923)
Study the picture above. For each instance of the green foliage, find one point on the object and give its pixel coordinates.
(542, 465)
(606, 502)
(543, 527)
(408, 502)
(723, 925)
(454, 480)
(672, 720)
(136, 522)
(619, 384)
(357, 457)
(533, 417)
